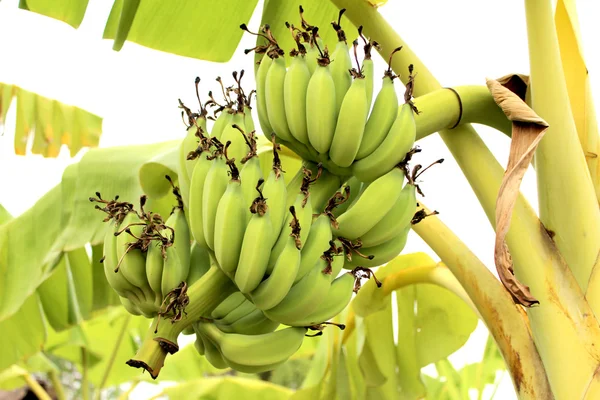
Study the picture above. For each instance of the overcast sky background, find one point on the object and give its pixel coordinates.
(136, 91)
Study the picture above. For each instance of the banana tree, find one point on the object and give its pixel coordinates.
(541, 313)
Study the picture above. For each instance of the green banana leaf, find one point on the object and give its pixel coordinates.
(222, 388)
(51, 123)
(4, 215)
(201, 29)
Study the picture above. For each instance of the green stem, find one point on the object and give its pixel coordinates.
(36, 388)
(447, 108)
(59, 389)
(204, 295)
(113, 356)
(85, 385)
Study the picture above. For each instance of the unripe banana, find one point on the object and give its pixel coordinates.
(372, 205)
(132, 262)
(230, 223)
(338, 297)
(316, 244)
(248, 121)
(237, 149)
(304, 297)
(114, 277)
(232, 302)
(130, 306)
(396, 219)
(195, 204)
(211, 351)
(255, 323)
(321, 111)
(295, 87)
(199, 263)
(261, 78)
(381, 119)
(274, 189)
(215, 185)
(186, 167)
(350, 124)
(342, 63)
(257, 350)
(224, 119)
(273, 289)
(275, 99)
(312, 52)
(381, 253)
(355, 189)
(198, 343)
(177, 264)
(250, 174)
(245, 308)
(392, 150)
(256, 246)
(154, 269)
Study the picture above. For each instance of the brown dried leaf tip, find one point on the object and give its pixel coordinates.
(174, 304)
(259, 205)
(351, 247)
(337, 199)
(320, 327)
(295, 225)
(362, 273)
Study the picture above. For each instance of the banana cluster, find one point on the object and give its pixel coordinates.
(320, 106)
(147, 260)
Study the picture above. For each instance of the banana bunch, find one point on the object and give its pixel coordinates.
(320, 106)
(146, 260)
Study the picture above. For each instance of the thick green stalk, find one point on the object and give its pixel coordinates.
(447, 108)
(564, 327)
(161, 339)
(567, 198)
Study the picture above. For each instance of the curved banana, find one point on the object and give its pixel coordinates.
(211, 351)
(230, 223)
(248, 121)
(338, 297)
(255, 323)
(130, 306)
(274, 189)
(256, 246)
(237, 149)
(257, 350)
(232, 302)
(381, 253)
(295, 88)
(185, 166)
(177, 264)
(273, 289)
(338, 258)
(341, 64)
(321, 111)
(354, 187)
(199, 343)
(304, 297)
(250, 174)
(115, 278)
(261, 78)
(245, 308)
(224, 119)
(215, 185)
(350, 123)
(154, 269)
(316, 244)
(199, 263)
(195, 202)
(392, 150)
(371, 206)
(395, 220)
(367, 67)
(274, 95)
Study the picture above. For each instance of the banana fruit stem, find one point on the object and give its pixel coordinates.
(161, 338)
(449, 107)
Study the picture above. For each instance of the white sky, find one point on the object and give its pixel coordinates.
(136, 92)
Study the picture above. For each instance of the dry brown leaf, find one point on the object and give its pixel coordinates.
(527, 131)
(516, 83)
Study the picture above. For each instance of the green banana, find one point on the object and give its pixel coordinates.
(397, 218)
(215, 185)
(367, 66)
(177, 263)
(114, 277)
(199, 343)
(245, 308)
(154, 269)
(381, 253)
(337, 257)
(341, 64)
(224, 119)
(231, 133)
(321, 111)
(256, 246)
(130, 306)
(186, 167)
(273, 289)
(383, 115)
(350, 123)
(255, 323)
(274, 94)
(198, 178)
(261, 77)
(274, 189)
(305, 296)
(199, 263)
(232, 302)
(315, 245)
(132, 262)
(294, 92)
(320, 190)
(248, 121)
(211, 351)
(257, 350)
(392, 150)
(250, 174)
(372, 205)
(354, 187)
(337, 298)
